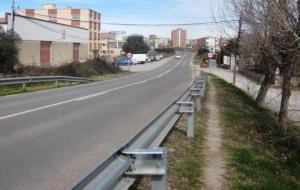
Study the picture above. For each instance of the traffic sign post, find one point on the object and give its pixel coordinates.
(129, 55)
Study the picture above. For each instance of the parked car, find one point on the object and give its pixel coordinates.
(177, 56)
(124, 61)
(139, 58)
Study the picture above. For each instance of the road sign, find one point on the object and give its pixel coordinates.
(129, 55)
(210, 55)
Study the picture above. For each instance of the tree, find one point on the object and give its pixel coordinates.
(276, 25)
(8, 51)
(135, 44)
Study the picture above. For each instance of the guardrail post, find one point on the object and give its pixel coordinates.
(189, 109)
(196, 92)
(56, 84)
(149, 162)
(24, 85)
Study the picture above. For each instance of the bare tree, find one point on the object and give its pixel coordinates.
(276, 25)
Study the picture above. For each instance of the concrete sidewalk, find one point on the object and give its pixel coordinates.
(273, 98)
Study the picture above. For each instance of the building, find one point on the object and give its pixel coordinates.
(192, 43)
(84, 18)
(3, 23)
(156, 42)
(45, 43)
(110, 46)
(179, 37)
(210, 43)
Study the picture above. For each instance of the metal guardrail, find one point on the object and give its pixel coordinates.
(55, 79)
(142, 156)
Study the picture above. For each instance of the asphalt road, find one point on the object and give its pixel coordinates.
(51, 139)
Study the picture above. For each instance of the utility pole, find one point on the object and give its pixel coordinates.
(13, 16)
(236, 50)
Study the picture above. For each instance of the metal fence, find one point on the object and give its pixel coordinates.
(28, 80)
(142, 156)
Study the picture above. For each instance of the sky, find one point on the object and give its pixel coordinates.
(142, 12)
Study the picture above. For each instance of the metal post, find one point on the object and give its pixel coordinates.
(189, 108)
(13, 16)
(191, 121)
(56, 83)
(149, 162)
(24, 86)
(196, 92)
(159, 182)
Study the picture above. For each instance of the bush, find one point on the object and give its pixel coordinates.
(89, 68)
(8, 51)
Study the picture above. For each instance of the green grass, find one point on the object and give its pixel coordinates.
(17, 89)
(260, 154)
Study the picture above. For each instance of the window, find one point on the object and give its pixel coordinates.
(91, 25)
(76, 17)
(52, 18)
(95, 26)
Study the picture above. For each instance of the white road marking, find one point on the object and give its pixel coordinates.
(91, 95)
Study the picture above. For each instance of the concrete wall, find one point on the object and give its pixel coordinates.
(29, 53)
(60, 53)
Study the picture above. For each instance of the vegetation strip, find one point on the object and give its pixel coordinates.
(261, 155)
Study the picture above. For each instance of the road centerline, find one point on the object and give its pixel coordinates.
(90, 95)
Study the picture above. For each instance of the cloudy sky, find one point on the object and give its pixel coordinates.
(143, 12)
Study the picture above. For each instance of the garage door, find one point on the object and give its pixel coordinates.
(45, 53)
(76, 51)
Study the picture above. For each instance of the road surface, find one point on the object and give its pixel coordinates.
(51, 139)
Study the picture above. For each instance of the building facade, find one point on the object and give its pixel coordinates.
(84, 18)
(179, 37)
(156, 42)
(211, 43)
(44, 43)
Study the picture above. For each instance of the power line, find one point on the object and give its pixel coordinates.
(149, 25)
(177, 24)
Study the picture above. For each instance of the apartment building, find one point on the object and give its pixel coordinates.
(110, 46)
(209, 42)
(84, 18)
(158, 42)
(179, 38)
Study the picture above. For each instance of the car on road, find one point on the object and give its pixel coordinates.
(124, 61)
(177, 56)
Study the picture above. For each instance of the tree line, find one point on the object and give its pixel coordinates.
(273, 31)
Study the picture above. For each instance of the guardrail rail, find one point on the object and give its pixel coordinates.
(28, 80)
(142, 156)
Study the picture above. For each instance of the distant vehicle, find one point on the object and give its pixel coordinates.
(160, 56)
(124, 61)
(152, 58)
(139, 58)
(157, 58)
(178, 56)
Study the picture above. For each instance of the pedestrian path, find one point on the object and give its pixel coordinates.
(214, 170)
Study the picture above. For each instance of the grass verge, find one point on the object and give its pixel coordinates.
(260, 154)
(185, 156)
(185, 159)
(17, 89)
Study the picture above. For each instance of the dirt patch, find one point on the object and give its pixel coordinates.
(215, 168)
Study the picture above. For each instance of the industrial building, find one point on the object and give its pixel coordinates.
(46, 43)
(84, 18)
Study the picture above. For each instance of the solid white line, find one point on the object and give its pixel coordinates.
(91, 95)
